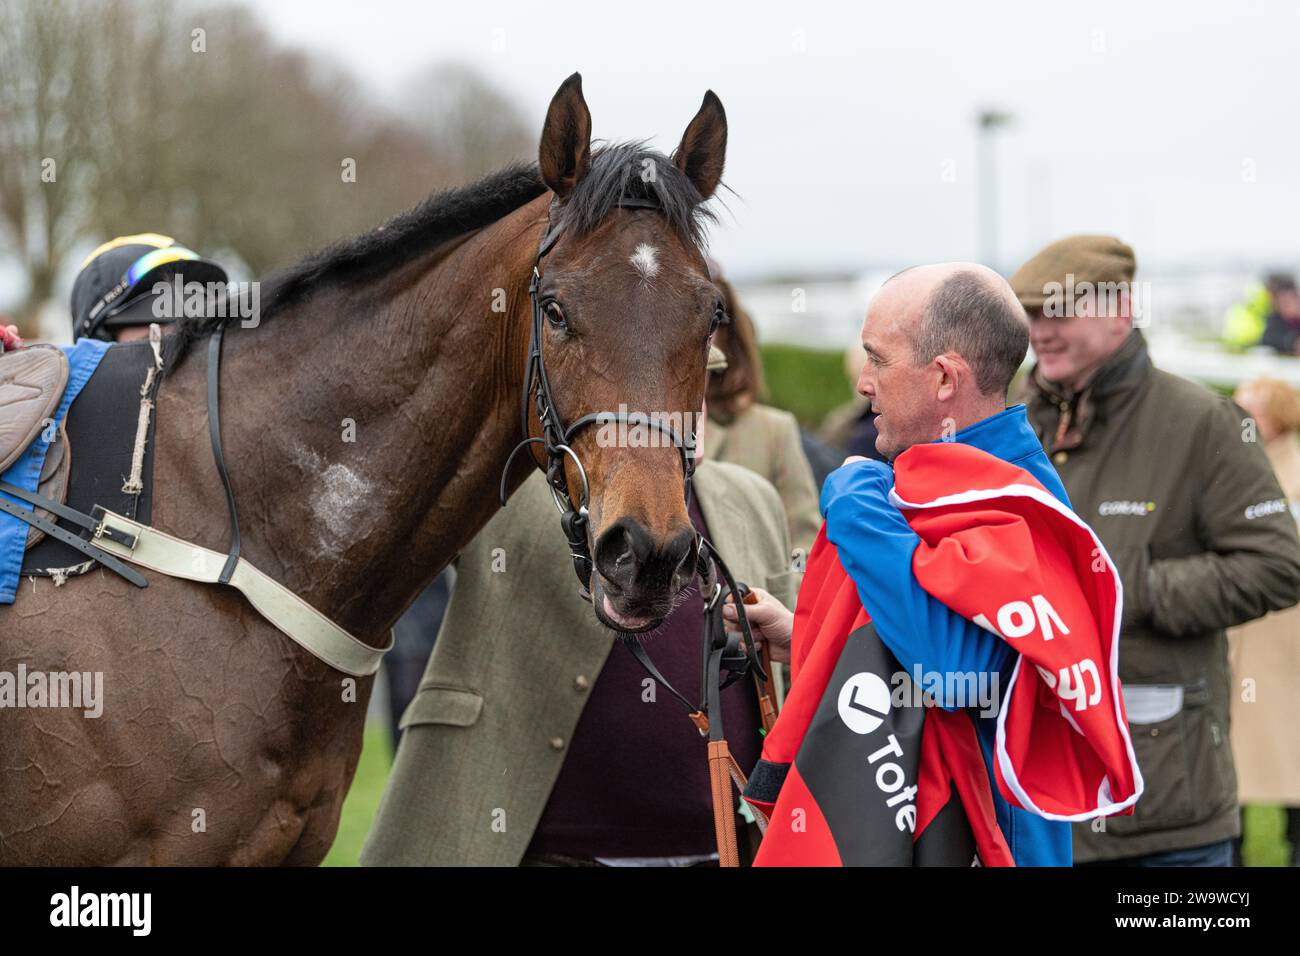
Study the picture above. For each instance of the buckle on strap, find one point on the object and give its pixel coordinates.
(105, 530)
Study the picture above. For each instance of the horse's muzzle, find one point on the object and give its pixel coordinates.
(639, 576)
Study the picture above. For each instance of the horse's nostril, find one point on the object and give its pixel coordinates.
(620, 551)
(684, 544)
(629, 559)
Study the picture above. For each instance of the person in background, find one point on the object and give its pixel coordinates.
(1245, 322)
(1282, 325)
(746, 432)
(1265, 654)
(851, 428)
(1159, 467)
(413, 638)
(113, 296)
(9, 338)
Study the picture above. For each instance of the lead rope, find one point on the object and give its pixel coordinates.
(720, 650)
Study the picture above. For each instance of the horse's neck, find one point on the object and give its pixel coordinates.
(365, 428)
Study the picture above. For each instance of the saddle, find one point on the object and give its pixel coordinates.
(32, 381)
(104, 522)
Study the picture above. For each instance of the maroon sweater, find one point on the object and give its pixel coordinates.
(636, 778)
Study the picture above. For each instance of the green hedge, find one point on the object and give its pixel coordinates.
(807, 382)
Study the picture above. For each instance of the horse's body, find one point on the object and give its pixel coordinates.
(221, 740)
(251, 730)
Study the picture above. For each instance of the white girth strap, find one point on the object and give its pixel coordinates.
(292, 615)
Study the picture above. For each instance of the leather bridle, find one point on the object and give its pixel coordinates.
(557, 440)
(724, 660)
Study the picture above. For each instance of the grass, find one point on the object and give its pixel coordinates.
(362, 801)
(1265, 843)
(807, 382)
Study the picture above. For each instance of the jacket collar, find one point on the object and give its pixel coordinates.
(1006, 435)
(1066, 416)
(1124, 370)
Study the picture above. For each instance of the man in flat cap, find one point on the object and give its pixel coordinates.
(1174, 481)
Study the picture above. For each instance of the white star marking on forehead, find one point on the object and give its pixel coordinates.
(645, 260)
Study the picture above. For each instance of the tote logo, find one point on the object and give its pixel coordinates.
(864, 702)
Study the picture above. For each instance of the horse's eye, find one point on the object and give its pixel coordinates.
(555, 315)
(719, 317)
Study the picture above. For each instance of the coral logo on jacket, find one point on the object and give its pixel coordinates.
(1265, 508)
(1136, 509)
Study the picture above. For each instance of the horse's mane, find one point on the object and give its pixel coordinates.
(618, 171)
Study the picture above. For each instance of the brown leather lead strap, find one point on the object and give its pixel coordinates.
(723, 770)
(766, 697)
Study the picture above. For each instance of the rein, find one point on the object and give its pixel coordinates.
(721, 652)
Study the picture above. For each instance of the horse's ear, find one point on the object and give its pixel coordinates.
(703, 149)
(564, 155)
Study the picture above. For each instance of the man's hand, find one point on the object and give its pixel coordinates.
(770, 621)
(9, 340)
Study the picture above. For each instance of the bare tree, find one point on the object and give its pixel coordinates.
(472, 126)
(44, 52)
(193, 121)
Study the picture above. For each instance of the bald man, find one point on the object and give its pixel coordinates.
(942, 344)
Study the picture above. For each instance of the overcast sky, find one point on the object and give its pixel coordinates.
(1175, 126)
(852, 134)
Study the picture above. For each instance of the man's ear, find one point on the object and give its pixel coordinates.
(952, 373)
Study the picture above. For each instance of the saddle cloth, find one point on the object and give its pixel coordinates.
(97, 417)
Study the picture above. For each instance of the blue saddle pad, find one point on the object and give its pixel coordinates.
(25, 473)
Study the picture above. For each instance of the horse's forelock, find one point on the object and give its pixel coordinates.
(632, 170)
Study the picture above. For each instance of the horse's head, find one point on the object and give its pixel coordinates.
(628, 310)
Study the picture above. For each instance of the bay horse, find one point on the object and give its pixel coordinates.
(366, 420)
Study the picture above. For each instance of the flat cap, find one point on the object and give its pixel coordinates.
(1092, 259)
